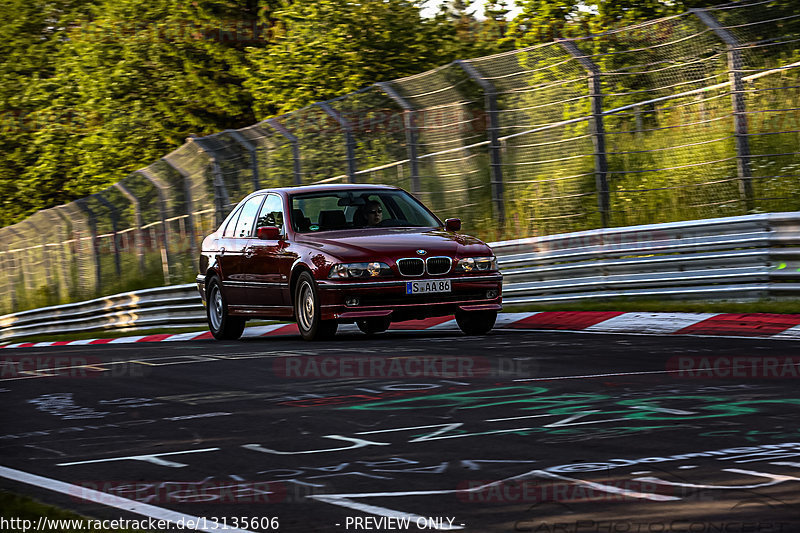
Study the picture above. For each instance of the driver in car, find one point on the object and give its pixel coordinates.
(373, 213)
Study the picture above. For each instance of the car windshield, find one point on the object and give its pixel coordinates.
(346, 209)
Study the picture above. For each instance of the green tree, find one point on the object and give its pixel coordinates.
(543, 21)
(324, 49)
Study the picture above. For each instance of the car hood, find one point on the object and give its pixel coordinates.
(393, 243)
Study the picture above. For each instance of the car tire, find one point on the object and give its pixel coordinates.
(222, 325)
(476, 322)
(308, 313)
(374, 325)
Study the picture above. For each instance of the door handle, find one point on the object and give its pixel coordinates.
(222, 250)
(249, 251)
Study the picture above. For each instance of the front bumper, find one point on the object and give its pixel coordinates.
(200, 280)
(389, 298)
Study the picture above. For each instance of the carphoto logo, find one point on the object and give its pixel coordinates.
(732, 367)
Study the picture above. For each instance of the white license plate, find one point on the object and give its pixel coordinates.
(427, 286)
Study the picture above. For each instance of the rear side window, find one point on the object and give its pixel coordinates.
(231, 226)
(247, 217)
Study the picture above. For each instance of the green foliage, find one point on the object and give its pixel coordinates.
(324, 49)
(543, 21)
(91, 90)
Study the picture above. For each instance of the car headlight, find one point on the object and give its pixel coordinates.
(476, 264)
(360, 270)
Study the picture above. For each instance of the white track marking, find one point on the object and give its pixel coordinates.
(650, 322)
(346, 500)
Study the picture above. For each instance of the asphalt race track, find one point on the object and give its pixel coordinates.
(414, 431)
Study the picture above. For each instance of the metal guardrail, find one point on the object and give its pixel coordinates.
(745, 257)
(734, 258)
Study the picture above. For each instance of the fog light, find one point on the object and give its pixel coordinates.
(351, 302)
(491, 294)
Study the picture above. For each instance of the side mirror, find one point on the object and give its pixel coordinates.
(269, 233)
(452, 224)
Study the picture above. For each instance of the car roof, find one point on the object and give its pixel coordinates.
(330, 187)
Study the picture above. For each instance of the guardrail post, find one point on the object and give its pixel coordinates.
(81, 203)
(598, 130)
(189, 206)
(412, 134)
(138, 241)
(280, 128)
(493, 132)
(350, 141)
(239, 138)
(735, 65)
(162, 210)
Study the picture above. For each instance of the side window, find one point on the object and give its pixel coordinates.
(229, 229)
(244, 226)
(271, 213)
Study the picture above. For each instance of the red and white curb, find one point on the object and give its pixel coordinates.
(754, 325)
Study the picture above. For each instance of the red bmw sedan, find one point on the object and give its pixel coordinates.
(328, 254)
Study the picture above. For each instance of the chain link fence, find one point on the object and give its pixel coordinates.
(688, 117)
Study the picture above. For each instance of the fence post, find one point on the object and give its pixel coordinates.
(138, 240)
(280, 128)
(598, 129)
(493, 131)
(350, 141)
(412, 134)
(221, 198)
(239, 138)
(68, 257)
(162, 210)
(9, 263)
(81, 203)
(189, 206)
(114, 228)
(735, 64)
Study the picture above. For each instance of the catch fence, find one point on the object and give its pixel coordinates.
(688, 117)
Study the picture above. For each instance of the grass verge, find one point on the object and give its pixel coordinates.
(16, 510)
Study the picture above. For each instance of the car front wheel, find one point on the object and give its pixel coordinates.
(476, 322)
(222, 325)
(308, 312)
